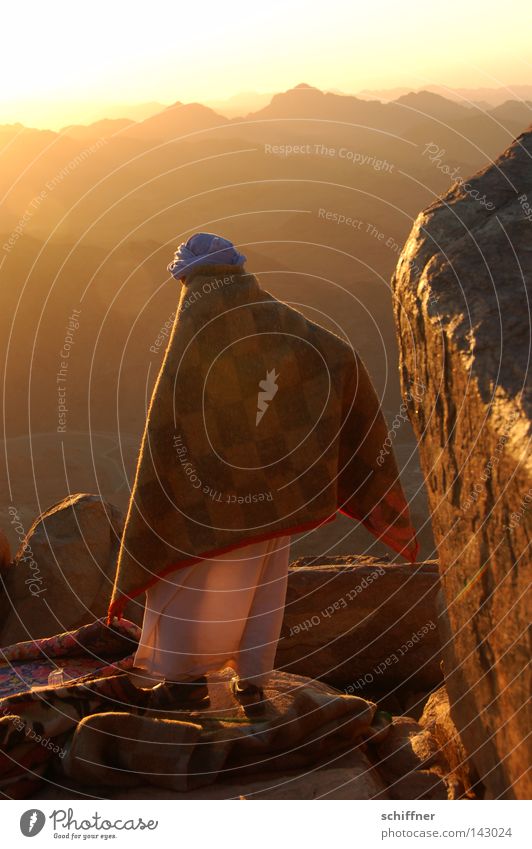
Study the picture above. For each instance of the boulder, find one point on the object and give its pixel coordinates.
(349, 776)
(405, 748)
(423, 784)
(411, 763)
(346, 776)
(414, 704)
(5, 552)
(366, 626)
(62, 575)
(5, 566)
(462, 313)
(436, 719)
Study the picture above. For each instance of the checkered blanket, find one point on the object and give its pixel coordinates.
(261, 424)
(305, 722)
(97, 731)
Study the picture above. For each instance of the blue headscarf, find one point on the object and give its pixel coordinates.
(202, 249)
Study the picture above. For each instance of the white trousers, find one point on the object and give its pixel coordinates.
(218, 613)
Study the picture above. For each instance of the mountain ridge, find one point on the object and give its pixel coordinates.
(300, 101)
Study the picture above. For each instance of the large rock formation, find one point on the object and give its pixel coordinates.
(62, 574)
(366, 626)
(462, 308)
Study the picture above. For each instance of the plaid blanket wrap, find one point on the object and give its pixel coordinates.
(261, 423)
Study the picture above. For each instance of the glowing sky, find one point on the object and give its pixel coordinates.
(62, 62)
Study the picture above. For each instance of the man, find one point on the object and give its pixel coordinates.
(262, 424)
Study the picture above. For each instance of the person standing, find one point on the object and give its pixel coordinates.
(262, 424)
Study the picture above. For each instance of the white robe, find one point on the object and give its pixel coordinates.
(218, 613)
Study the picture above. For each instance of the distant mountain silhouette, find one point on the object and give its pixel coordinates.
(240, 104)
(490, 97)
(399, 115)
(427, 103)
(106, 128)
(179, 118)
(512, 111)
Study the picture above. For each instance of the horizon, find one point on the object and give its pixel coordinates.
(352, 51)
(138, 111)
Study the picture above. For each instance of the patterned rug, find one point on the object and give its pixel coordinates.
(19, 677)
(66, 656)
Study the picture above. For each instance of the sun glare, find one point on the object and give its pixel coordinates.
(66, 63)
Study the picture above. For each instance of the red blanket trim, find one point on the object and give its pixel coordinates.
(117, 607)
(409, 551)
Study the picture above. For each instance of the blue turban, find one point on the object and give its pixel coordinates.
(203, 249)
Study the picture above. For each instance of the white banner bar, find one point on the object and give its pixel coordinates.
(198, 824)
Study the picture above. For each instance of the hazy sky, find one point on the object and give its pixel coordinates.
(59, 59)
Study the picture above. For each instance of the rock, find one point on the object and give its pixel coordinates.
(62, 575)
(420, 784)
(411, 763)
(362, 627)
(348, 776)
(379, 729)
(414, 704)
(405, 748)
(391, 703)
(437, 720)
(338, 560)
(5, 566)
(5, 552)
(463, 321)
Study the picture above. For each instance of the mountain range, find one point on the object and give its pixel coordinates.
(318, 189)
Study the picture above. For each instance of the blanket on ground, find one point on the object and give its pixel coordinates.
(96, 730)
(261, 423)
(35, 718)
(305, 722)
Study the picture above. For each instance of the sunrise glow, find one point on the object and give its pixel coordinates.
(63, 63)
